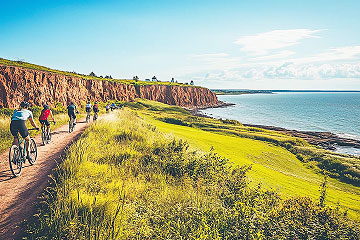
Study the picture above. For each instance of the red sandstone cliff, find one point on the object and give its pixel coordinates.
(39, 87)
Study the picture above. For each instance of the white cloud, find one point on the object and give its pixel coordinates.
(279, 55)
(305, 71)
(333, 54)
(262, 43)
(210, 55)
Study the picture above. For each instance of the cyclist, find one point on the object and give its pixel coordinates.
(17, 125)
(113, 106)
(88, 110)
(72, 110)
(44, 118)
(88, 107)
(107, 107)
(96, 110)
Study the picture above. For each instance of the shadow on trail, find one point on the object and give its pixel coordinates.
(59, 132)
(7, 175)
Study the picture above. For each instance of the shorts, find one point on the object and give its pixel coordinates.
(18, 126)
(88, 109)
(72, 115)
(46, 122)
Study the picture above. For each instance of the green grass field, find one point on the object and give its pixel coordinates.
(126, 178)
(273, 166)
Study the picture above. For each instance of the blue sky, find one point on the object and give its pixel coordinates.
(219, 44)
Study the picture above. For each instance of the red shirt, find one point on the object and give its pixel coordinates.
(44, 114)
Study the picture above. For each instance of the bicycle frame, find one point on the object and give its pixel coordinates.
(22, 149)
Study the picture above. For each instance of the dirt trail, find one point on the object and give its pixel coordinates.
(18, 195)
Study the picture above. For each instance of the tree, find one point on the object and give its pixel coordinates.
(92, 74)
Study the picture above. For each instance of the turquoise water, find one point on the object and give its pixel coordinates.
(332, 112)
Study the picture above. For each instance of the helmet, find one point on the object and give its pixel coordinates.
(46, 106)
(71, 103)
(24, 104)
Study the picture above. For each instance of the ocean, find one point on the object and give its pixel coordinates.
(336, 112)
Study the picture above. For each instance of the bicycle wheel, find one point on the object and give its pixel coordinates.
(70, 127)
(48, 137)
(33, 151)
(43, 136)
(15, 161)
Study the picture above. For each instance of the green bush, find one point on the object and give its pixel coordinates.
(6, 111)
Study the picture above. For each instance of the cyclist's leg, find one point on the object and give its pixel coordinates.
(47, 123)
(74, 118)
(70, 117)
(27, 140)
(24, 132)
(15, 132)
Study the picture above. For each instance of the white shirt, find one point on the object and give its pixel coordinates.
(23, 114)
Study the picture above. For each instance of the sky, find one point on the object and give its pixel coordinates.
(228, 44)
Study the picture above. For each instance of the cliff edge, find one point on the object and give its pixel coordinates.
(39, 87)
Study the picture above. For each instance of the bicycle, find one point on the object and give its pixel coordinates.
(45, 136)
(88, 115)
(17, 155)
(71, 125)
(95, 116)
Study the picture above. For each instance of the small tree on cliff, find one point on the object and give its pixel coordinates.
(92, 74)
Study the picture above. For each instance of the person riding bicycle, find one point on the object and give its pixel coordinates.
(113, 106)
(107, 107)
(96, 110)
(88, 107)
(17, 125)
(44, 118)
(72, 110)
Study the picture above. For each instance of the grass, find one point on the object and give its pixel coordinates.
(73, 74)
(126, 179)
(270, 153)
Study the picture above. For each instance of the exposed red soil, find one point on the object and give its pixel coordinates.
(39, 87)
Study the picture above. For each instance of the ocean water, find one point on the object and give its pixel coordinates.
(337, 112)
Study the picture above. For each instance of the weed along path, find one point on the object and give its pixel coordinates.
(18, 195)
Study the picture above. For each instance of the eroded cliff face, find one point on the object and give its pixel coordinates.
(39, 87)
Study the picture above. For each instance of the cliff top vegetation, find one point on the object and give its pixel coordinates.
(91, 76)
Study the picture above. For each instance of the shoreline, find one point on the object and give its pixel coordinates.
(326, 140)
(220, 104)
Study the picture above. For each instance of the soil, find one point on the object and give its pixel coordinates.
(19, 195)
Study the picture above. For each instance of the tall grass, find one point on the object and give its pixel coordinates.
(124, 179)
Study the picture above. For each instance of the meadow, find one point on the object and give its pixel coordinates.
(127, 178)
(286, 164)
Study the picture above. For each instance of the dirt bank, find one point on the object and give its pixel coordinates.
(39, 87)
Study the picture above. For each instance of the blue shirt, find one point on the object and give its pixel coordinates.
(22, 114)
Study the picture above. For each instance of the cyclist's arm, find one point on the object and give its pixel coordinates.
(33, 123)
(52, 116)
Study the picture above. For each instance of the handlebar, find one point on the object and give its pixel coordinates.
(33, 129)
